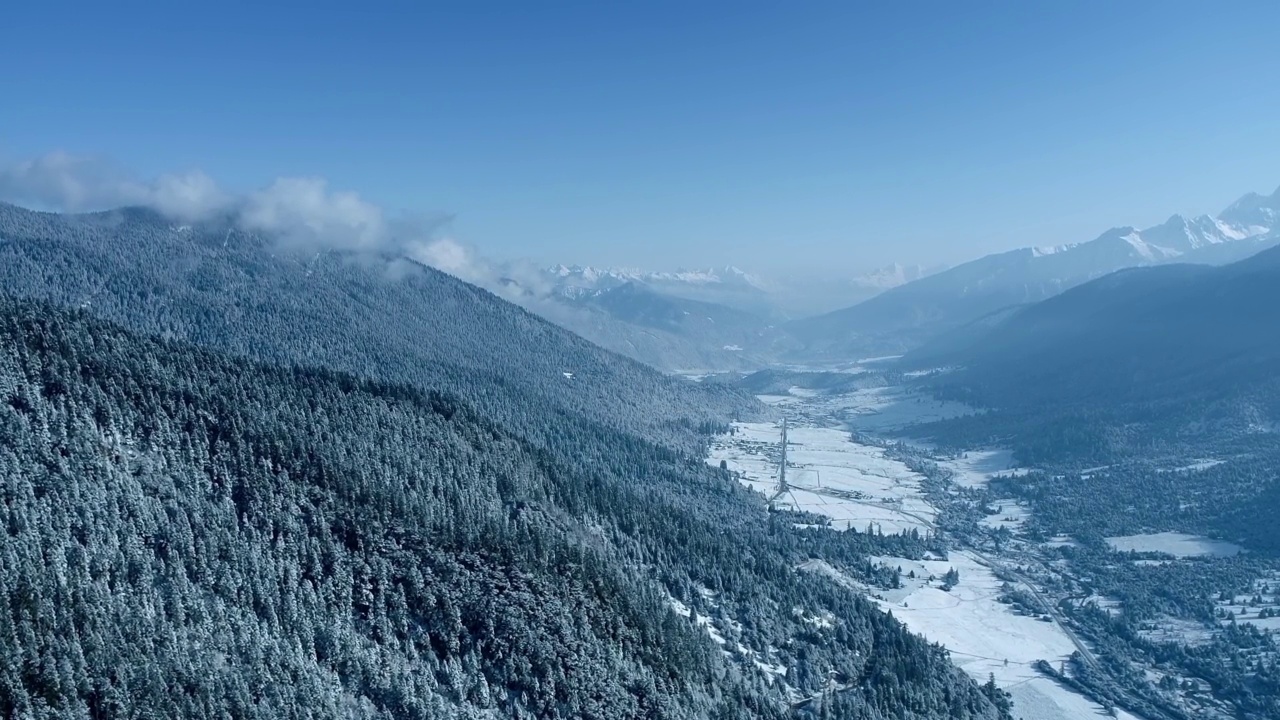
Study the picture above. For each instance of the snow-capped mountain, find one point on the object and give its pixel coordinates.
(1254, 212)
(905, 316)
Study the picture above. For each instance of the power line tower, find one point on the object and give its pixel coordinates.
(782, 465)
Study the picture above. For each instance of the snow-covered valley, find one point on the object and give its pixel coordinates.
(862, 486)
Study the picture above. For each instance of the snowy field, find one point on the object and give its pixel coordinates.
(788, 399)
(969, 620)
(983, 636)
(752, 451)
(986, 638)
(855, 368)
(1263, 598)
(879, 410)
(1176, 544)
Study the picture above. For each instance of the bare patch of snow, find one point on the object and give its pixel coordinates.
(1173, 543)
(1009, 514)
(976, 468)
(1196, 466)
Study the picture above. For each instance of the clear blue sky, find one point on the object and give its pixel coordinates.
(834, 135)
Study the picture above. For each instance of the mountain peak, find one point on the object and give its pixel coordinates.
(1120, 232)
(1253, 213)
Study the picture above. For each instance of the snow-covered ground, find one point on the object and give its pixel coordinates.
(969, 620)
(1173, 543)
(778, 399)
(1250, 607)
(984, 637)
(882, 409)
(854, 484)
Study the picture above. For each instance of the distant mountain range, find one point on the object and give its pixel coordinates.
(729, 319)
(907, 316)
(778, 296)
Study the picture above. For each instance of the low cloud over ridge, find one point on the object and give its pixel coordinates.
(75, 183)
(305, 210)
(300, 211)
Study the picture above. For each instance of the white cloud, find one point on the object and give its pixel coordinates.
(62, 181)
(75, 183)
(517, 281)
(189, 196)
(304, 210)
(447, 255)
(299, 211)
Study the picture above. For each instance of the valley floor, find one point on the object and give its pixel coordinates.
(861, 486)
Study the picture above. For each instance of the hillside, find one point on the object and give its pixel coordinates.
(376, 314)
(1150, 397)
(1176, 333)
(191, 535)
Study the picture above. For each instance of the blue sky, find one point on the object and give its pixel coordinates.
(833, 136)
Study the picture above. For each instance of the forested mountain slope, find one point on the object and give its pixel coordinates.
(1138, 375)
(376, 314)
(192, 535)
(1174, 334)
